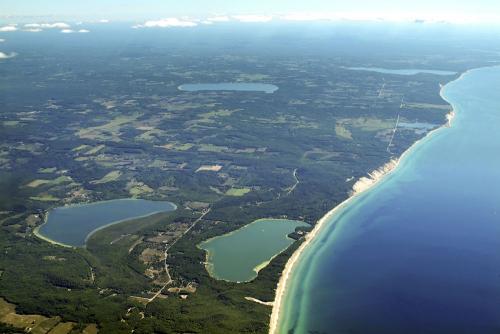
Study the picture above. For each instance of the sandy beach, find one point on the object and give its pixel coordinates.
(36, 233)
(362, 185)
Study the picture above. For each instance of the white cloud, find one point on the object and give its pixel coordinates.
(8, 28)
(57, 25)
(309, 17)
(253, 18)
(2, 40)
(83, 31)
(207, 22)
(7, 56)
(67, 31)
(104, 21)
(33, 30)
(218, 19)
(167, 23)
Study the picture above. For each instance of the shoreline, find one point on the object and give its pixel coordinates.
(361, 186)
(40, 236)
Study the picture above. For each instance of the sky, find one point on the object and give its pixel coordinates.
(130, 10)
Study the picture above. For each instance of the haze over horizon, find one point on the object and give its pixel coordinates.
(480, 11)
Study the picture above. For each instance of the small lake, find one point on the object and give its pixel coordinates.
(72, 225)
(238, 256)
(230, 86)
(400, 71)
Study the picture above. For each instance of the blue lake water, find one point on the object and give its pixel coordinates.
(420, 252)
(72, 225)
(401, 71)
(230, 86)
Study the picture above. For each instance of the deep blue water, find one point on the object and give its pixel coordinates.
(401, 71)
(230, 86)
(420, 252)
(71, 225)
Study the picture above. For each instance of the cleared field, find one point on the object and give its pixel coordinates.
(110, 177)
(108, 131)
(138, 188)
(81, 147)
(212, 148)
(209, 168)
(237, 191)
(218, 113)
(9, 316)
(46, 325)
(342, 132)
(42, 182)
(45, 198)
(90, 329)
(369, 124)
(37, 324)
(151, 135)
(319, 154)
(62, 328)
(47, 170)
(95, 150)
(178, 146)
(6, 308)
(11, 123)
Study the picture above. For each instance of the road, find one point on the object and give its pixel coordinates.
(296, 182)
(166, 255)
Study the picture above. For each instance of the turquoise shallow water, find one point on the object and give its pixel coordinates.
(71, 225)
(230, 86)
(420, 252)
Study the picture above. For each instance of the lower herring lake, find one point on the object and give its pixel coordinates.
(239, 255)
(72, 225)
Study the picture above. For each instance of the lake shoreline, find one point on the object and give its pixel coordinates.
(36, 233)
(374, 179)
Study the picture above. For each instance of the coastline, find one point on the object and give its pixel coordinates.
(360, 186)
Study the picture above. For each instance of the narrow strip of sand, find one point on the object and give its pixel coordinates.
(37, 233)
(258, 301)
(362, 185)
